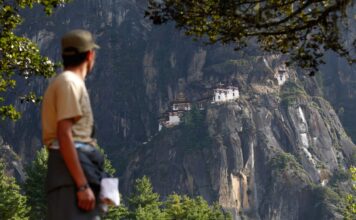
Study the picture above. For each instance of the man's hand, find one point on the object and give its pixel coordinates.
(86, 199)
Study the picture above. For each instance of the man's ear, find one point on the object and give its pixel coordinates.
(90, 55)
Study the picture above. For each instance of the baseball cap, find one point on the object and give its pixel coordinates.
(77, 41)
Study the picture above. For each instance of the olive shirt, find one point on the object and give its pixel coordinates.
(67, 97)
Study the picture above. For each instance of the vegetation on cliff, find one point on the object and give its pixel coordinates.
(194, 130)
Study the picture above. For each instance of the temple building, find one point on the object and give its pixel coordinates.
(173, 117)
(225, 93)
(180, 105)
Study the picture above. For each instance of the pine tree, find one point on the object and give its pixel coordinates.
(184, 207)
(12, 203)
(114, 213)
(144, 204)
(350, 211)
(35, 185)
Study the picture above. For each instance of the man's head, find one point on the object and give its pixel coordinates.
(77, 48)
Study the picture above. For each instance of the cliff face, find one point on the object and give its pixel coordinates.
(264, 156)
(272, 154)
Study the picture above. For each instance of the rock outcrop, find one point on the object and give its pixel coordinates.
(267, 154)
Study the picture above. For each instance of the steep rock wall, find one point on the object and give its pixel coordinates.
(263, 161)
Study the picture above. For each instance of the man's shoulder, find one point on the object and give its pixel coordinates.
(67, 78)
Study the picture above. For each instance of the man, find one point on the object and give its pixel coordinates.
(67, 124)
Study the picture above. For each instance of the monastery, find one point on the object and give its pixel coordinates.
(173, 116)
(225, 94)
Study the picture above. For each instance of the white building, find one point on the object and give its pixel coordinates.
(173, 117)
(181, 105)
(225, 94)
(170, 119)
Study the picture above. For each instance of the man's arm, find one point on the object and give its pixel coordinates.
(86, 198)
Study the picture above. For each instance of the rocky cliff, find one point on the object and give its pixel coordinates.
(274, 153)
(268, 155)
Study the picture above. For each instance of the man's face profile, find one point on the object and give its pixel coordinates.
(91, 61)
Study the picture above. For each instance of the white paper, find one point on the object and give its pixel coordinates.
(109, 190)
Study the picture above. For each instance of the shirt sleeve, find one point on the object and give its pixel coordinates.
(68, 101)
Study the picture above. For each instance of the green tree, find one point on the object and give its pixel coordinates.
(350, 212)
(19, 56)
(121, 211)
(144, 204)
(303, 29)
(185, 208)
(12, 203)
(34, 185)
(107, 163)
(116, 213)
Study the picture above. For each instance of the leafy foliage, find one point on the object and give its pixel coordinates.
(145, 204)
(340, 175)
(35, 184)
(328, 200)
(19, 56)
(183, 207)
(114, 212)
(290, 92)
(350, 211)
(107, 164)
(286, 169)
(12, 203)
(283, 161)
(304, 29)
